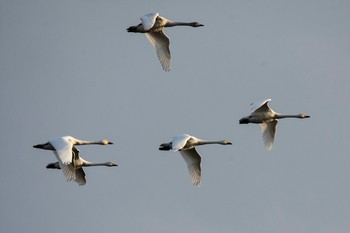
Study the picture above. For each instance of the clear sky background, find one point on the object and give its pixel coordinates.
(70, 68)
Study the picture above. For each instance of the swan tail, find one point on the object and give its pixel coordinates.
(165, 146)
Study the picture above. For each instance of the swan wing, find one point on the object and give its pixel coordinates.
(149, 20)
(161, 42)
(68, 171)
(75, 153)
(180, 141)
(193, 161)
(78, 172)
(80, 176)
(268, 131)
(260, 106)
(63, 150)
(71, 173)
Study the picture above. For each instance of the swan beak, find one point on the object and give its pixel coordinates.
(307, 116)
(200, 25)
(229, 143)
(110, 143)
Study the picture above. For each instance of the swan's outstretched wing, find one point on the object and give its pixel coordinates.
(161, 42)
(193, 161)
(149, 20)
(71, 172)
(260, 106)
(268, 131)
(80, 176)
(69, 169)
(180, 141)
(63, 150)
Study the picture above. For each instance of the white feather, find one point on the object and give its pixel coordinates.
(63, 149)
(149, 20)
(193, 161)
(256, 105)
(268, 131)
(180, 141)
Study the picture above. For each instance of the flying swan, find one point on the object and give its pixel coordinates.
(267, 119)
(152, 26)
(186, 144)
(68, 157)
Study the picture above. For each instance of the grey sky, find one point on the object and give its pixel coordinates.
(70, 68)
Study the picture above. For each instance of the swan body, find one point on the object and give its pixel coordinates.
(186, 144)
(68, 157)
(152, 26)
(267, 118)
(75, 170)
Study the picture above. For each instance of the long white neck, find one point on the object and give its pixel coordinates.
(205, 142)
(280, 116)
(107, 164)
(173, 24)
(81, 142)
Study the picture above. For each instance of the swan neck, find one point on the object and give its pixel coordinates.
(280, 116)
(80, 142)
(204, 142)
(173, 24)
(94, 164)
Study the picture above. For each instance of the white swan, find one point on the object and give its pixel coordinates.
(68, 157)
(186, 144)
(75, 169)
(267, 119)
(152, 25)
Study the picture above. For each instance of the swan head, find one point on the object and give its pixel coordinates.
(302, 115)
(226, 142)
(106, 142)
(111, 164)
(196, 24)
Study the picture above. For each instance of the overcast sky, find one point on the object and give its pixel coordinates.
(70, 68)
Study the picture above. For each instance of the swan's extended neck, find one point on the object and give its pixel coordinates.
(205, 142)
(192, 24)
(107, 164)
(102, 142)
(94, 164)
(301, 116)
